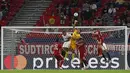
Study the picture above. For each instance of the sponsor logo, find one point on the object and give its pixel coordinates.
(39, 49)
(38, 63)
(18, 62)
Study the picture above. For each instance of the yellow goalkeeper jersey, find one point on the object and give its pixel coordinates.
(75, 36)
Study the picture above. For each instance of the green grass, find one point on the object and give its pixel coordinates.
(65, 71)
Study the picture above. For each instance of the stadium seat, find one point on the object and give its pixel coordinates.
(9, 18)
(57, 1)
(15, 6)
(52, 5)
(129, 13)
(3, 22)
(45, 19)
(80, 3)
(67, 22)
(122, 9)
(85, 23)
(98, 13)
(41, 20)
(103, 2)
(57, 21)
(38, 23)
(90, 22)
(11, 13)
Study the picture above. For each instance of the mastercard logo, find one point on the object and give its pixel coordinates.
(19, 62)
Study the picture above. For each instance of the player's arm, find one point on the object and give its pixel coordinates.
(99, 41)
(74, 26)
(75, 22)
(55, 47)
(69, 35)
(80, 42)
(23, 41)
(79, 45)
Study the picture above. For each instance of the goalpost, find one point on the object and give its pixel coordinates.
(128, 59)
(31, 47)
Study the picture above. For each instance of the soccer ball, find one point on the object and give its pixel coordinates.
(76, 14)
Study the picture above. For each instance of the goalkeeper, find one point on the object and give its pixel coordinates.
(70, 41)
(75, 36)
(71, 44)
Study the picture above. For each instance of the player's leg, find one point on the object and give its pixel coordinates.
(66, 52)
(103, 55)
(105, 51)
(66, 47)
(99, 51)
(58, 62)
(73, 48)
(61, 59)
(81, 65)
(81, 62)
(85, 62)
(109, 57)
(83, 59)
(63, 52)
(73, 53)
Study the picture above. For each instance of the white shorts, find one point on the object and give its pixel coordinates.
(66, 44)
(104, 47)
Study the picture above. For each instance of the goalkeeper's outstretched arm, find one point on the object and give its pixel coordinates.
(74, 24)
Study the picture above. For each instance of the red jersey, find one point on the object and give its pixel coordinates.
(98, 36)
(23, 42)
(80, 47)
(82, 51)
(57, 48)
(100, 39)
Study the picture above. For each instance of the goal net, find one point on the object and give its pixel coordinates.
(31, 47)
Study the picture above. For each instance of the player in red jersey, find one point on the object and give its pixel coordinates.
(97, 36)
(23, 41)
(57, 49)
(102, 48)
(82, 52)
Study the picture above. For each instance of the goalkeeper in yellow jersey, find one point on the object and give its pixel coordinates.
(71, 44)
(74, 37)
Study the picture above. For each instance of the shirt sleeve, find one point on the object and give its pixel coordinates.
(69, 35)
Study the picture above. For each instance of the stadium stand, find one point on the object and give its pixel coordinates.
(8, 9)
(90, 13)
(30, 13)
(61, 12)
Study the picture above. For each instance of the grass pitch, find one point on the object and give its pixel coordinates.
(65, 71)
